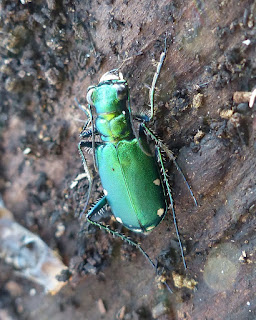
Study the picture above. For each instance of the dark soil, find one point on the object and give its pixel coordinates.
(50, 53)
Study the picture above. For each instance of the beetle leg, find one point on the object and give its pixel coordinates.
(160, 159)
(88, 172)
(161, 145)
(156, 75)
(95, 209)
(170, 156)
(146, 119)
(87, 133)
(86, 110)
(141, 117)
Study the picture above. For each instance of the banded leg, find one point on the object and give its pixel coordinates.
(95, 210)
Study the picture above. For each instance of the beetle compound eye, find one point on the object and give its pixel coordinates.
(89, 96)
(121, 91)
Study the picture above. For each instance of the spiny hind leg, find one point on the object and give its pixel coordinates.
(170, 155)
(166, 182)
(95, 210)
(161, 146)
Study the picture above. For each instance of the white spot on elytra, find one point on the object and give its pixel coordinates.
(157, 182)
(137, 230)
(150, 228)
(119, 219)
(160, 212)
(105, 192)
(246, 42)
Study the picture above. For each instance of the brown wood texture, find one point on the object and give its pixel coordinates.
(51, 52)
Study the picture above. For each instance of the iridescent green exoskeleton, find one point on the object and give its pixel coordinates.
(133, 186)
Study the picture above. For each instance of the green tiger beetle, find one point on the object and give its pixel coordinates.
(133, 186)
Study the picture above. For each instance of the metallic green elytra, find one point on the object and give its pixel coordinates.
(129, 173)
(131, 183)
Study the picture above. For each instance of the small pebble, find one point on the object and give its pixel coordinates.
(14, 288)
(197, 100)
(243, 108)
(101, 306)
(121, 313)
(159, 310)
(32, 292)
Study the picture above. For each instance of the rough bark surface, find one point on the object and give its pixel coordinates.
(50, 53)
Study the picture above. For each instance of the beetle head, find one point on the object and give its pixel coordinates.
(110, 78)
